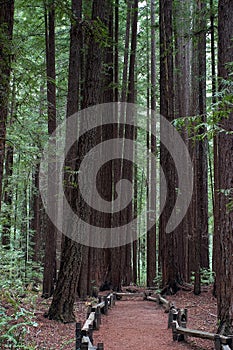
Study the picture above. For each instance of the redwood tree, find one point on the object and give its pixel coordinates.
(49, 277)
(166, 240)
(61, 308)
(151, 234)
(224, 173)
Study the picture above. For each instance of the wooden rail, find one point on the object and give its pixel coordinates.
(84, 335)
(160, 300)
(177, 320)
(129, 295)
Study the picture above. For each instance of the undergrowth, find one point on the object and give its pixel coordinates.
(17, 303)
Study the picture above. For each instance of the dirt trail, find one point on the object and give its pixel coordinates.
(134, 325)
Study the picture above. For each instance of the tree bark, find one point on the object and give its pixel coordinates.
(167, 241)
(61, 308)
(151, 233)
(200, 195)
(49, 277)
(182, 32)
(224, 180)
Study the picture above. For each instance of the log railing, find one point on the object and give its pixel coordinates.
(177, 321)
(84, 334)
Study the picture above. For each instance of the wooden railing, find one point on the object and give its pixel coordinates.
(177, 321)
(84, 334)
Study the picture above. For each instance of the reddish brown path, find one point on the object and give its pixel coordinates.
(136, 324)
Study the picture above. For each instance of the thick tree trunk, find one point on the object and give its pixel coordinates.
(118, 254)
(65, 293)
(200, 195)
(182, 33)
(62, 305)
(167, 241)
(224, 180)
(127, 171)
(98, 77)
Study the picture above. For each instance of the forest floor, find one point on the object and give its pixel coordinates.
(130, 324)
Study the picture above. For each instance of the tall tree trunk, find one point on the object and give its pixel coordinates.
(6, 31)
(7, 222)
(224, 173)
(166, 241)
(97, 89)
(127, 171)
(126, 52)
(214, 100)
(49, 277)
(61, 308)
(36, 217)
(200, 195)
(151, 234)
(36, 224)
(118, 253)
(116, 52)
(182, 33)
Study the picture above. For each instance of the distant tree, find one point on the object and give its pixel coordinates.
(151, 234)
(6, 52)
(7, 193)
(50, 236)
(224, 172)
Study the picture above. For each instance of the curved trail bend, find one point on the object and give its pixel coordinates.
(136, 324)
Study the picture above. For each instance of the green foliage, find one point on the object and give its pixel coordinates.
(207, 277)
(15, 321)
(158, 281)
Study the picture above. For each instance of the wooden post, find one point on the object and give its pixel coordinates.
(114, 299)
(105, 305)
(100, 346)
(98, 318)
(90, 333)
(174, 331)
(217, 342)
(182, 320)
(172, 316)
(78, 335)
(230, 342)
(182, 316)
(111, 300)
